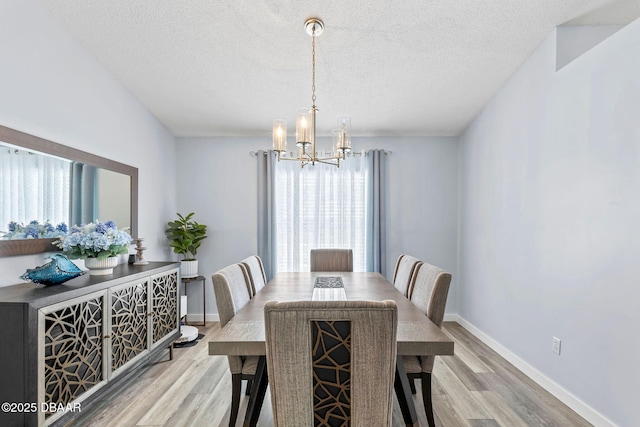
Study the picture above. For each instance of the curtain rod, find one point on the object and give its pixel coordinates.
(353, 153)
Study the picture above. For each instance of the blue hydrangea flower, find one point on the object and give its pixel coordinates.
(32, 230)
(35, 230)
(101, 228)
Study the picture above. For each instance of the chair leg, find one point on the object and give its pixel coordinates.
(247, 392)
(412, 385)
(426, 398)
(236, 384)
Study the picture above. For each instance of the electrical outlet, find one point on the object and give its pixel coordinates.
(556, 345)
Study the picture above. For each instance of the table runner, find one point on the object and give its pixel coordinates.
(329, 282)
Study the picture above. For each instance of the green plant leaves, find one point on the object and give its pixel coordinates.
(185, 235)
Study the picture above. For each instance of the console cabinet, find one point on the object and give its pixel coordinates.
(69, 343)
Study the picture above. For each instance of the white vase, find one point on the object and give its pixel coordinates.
(101, 267)
(189, 269)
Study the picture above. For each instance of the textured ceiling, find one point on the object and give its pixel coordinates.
(411, 67)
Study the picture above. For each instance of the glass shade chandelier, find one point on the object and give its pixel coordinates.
(306, 121)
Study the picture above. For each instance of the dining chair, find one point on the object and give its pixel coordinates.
(331, 260)
(404, 273)
(232, 290)
(255, 270)
(429, 294)
(310, 349)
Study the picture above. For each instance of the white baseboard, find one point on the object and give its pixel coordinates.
(577, 405)
(452, 318)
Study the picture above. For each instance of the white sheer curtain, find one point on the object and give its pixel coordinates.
(33, 187)
(320, 207)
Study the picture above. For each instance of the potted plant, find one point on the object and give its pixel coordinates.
(98, 243)
(185, 237)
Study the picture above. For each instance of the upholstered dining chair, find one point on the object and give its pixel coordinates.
(429, 294)
(233, 290)
(310, 349)
(331, 260)
(404, 273)
(255, 270)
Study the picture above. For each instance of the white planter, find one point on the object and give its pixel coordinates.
(101, 267)
(189, 269)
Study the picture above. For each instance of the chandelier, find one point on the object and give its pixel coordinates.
(306, 121)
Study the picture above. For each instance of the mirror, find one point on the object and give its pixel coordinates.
(67, 185)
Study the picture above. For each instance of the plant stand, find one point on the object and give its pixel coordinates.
(186, 281)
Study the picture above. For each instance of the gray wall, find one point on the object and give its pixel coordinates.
(217, 179)
(549, 235)
(53, 88)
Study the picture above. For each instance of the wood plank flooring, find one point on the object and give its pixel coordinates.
(474, 388)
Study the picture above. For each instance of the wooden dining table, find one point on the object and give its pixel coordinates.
(244, 334)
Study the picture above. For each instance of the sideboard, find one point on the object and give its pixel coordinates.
(63, 346)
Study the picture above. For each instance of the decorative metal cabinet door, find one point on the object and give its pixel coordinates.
(128, 324)
(71, 348)
(164, 305)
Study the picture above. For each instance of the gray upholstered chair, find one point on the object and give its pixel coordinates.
(255, 269)
(429, 294)
(404, 273)
(233, 290)
(310, 346)
(331, 260)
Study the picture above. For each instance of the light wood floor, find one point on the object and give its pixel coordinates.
(475, 388)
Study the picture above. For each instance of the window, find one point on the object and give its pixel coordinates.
(320, 207)
(33, 187)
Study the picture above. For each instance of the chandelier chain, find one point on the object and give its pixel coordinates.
(313, 68)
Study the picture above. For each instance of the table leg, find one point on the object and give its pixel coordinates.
(403, 392)
(204, 303)
(184, 286)
(258, 390)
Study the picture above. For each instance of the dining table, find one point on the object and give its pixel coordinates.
(244, 334)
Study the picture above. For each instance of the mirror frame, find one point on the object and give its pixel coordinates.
(31, 142)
